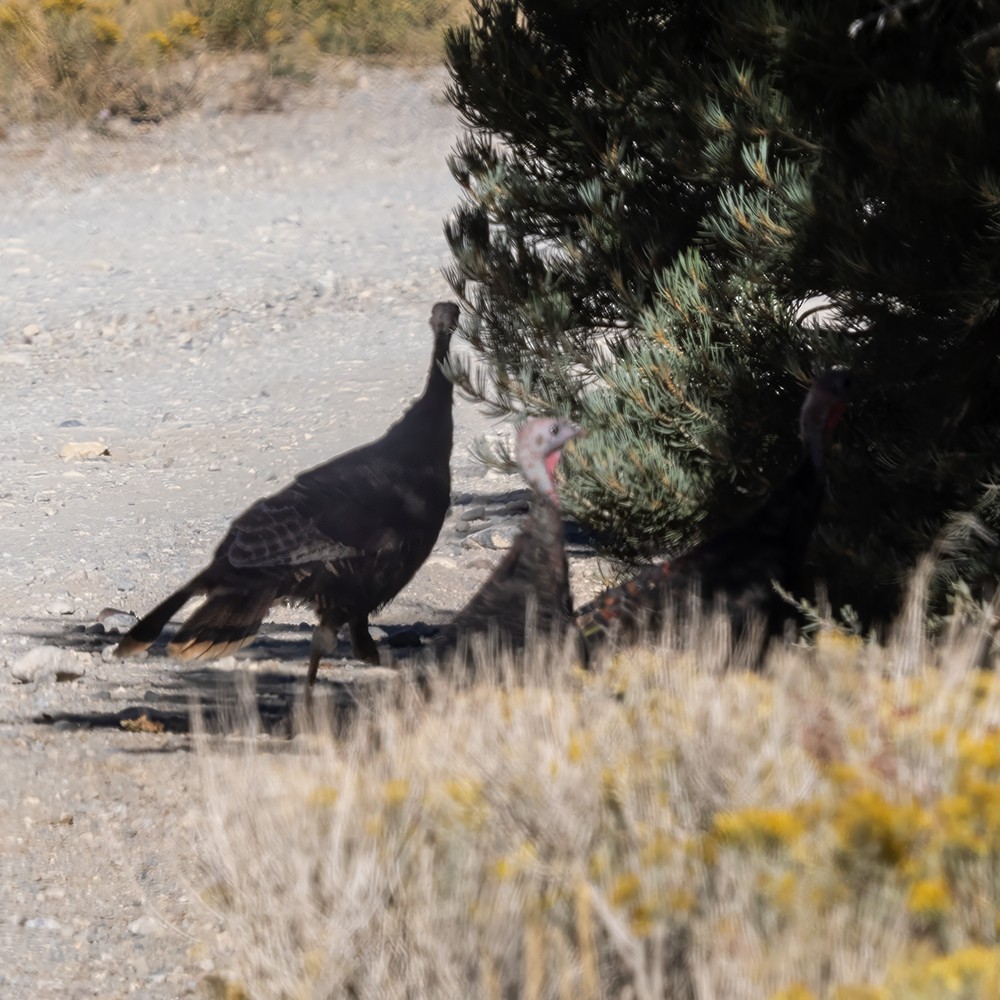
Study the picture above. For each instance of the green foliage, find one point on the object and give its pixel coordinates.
(655, 192)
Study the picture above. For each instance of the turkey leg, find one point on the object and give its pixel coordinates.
(324, 641)
(362, 644)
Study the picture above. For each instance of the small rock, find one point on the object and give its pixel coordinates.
(473, 514)
(480, 539)
(81, 451)
(494, 538)
(378, 634)
(95, 628)
(145, 925)
(71, 423)
(42, 924)
(31, 330)
(115, 621)
(514, 507)
(503, 538)
(61, 606)
(40, 662)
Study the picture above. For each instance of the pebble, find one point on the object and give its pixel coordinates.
(61, 606)
(145, 925)
(81, 451)
(42, 924)
(115, 621)
(494, 538)
(42, 662)
(473, 514)
(514, 507)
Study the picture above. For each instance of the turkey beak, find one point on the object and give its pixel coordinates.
(570, 433)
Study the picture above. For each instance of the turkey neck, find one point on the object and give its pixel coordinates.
(429, 421)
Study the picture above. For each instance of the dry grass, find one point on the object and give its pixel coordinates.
(132, 57)
(657, 829)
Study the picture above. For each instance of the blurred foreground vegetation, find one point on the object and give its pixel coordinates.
(662, 828)
(67, 58)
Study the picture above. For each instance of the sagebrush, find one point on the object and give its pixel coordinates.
(660, 828)
(83, 57)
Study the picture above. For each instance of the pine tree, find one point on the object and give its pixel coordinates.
(655, 192)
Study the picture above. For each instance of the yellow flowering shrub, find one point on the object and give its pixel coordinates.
(106, 30)
(12, 17)
(867, 826)
(78, 57)
(65, 7)
(929, 897)
(971, 973)
(768, 828)
(186, 23)
(810, 834)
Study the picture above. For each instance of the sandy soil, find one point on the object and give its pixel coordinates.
(217, 302)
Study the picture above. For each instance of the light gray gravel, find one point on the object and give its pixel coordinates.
(189, 315)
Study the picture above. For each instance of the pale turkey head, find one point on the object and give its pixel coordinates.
(539, 444)
(822, 410)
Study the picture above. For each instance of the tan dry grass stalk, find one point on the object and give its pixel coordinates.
(660, 828)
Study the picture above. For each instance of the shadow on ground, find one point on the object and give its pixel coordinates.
(222, 699)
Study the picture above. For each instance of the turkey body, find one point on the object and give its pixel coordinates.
(344, 537)
(528, 592)
(735, 571)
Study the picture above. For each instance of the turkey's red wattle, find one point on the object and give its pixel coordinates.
(551, 461)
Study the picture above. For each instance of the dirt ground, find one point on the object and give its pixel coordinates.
(190, 314)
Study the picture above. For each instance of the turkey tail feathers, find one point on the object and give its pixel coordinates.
(144, 633)
(226, 622)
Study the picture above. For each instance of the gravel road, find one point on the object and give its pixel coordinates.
(190, 314)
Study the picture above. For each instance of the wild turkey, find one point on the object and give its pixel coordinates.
(344, 537)
(736, 568)
(531, 584)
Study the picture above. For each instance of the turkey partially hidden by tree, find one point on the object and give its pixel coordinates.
(530, 588)
(645, 222)
(344, 537)
(738, 568)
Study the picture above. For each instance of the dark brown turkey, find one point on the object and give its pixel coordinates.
(738, 568)
(344, 537)
(529, 590)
